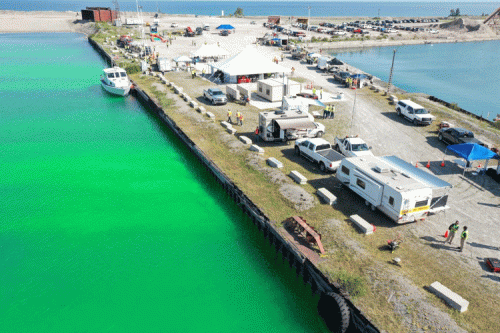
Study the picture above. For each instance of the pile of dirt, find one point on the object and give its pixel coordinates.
(465, 25)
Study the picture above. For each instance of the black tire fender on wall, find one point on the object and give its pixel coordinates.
(335, 312)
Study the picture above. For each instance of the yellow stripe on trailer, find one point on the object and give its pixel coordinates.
(414, 210)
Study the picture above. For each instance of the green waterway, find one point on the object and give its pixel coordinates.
(108, 224)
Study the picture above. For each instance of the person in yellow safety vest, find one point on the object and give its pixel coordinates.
(321, 93)
(241, 119)
(314, 91)
(453, 228)
(238, 114)
(229, 114)
(463, 238)
(332, 111)
(193, 73)
(203, 72)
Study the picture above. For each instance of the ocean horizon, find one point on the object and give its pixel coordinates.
(263, 8)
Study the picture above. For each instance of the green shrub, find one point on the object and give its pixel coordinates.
(454, 106)
(131, 68)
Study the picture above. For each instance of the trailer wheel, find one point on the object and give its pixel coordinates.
(334, 310)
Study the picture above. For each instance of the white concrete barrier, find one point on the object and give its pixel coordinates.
(245, 140)
(210, 115)
(298, 177)
(453, 299)
(360, 222)
(201, 110)
(193, 104)
(231, 130)
(257, 149)
(327, 196)
(225, 124)
(274, 163)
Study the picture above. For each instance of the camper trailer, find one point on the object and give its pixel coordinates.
(288, 125)
(396, 188)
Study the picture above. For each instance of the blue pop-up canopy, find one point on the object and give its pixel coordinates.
(225, 27)
(473, 151)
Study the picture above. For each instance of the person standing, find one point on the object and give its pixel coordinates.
(282, 57)
(193, 73)
(332, 111)
(293, 70)
(238, 114)
(314, 91)
(321, 93)
(241, 119)
(463, 237)
(325, 112)
(229, 114)
(453, 228)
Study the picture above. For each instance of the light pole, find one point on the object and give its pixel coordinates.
(353, 109)
(309, 18)
(390, 74)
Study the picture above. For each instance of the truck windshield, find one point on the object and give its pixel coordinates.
(360, 147)
(421, 111)
(323, 147)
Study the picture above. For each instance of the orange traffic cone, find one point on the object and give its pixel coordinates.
(428, 165)
(446, 234)
(479, 166)
(416, 165)
(442, 163)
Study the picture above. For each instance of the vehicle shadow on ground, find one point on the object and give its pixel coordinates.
(350, 203)
(394, 117)
(438, 243)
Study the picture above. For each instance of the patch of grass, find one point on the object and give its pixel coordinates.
(352, 283)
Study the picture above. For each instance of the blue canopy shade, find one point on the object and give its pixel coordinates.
(276, 39)
(472, 151)
(225, 27)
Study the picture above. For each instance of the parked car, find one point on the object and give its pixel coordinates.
(414, 112)
(224, 33)
(215, 96)
(253, 22)
(456, 135)
(174, 25)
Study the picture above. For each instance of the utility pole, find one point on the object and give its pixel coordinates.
(353, 108)
(309, 18)
(378, 13)
(390, 75)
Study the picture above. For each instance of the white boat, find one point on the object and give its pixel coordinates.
(115, 81)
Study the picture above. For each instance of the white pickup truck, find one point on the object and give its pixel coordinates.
(319, 151)
(352, 146)
(414, 112)
(215, 96)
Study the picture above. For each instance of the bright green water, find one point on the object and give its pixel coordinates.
(107, 224)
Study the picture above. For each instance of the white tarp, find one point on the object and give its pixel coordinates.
(210, 51)
(248, 62)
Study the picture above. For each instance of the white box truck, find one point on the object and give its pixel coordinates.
(396, 188)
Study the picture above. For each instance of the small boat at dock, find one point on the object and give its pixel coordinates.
(115, 81)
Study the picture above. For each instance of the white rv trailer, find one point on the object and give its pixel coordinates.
(398, 189)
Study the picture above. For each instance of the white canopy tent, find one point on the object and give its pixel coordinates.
(183, 59)
(247, 62)
(210, 51)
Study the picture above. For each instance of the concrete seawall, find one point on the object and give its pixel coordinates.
(334, 306)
